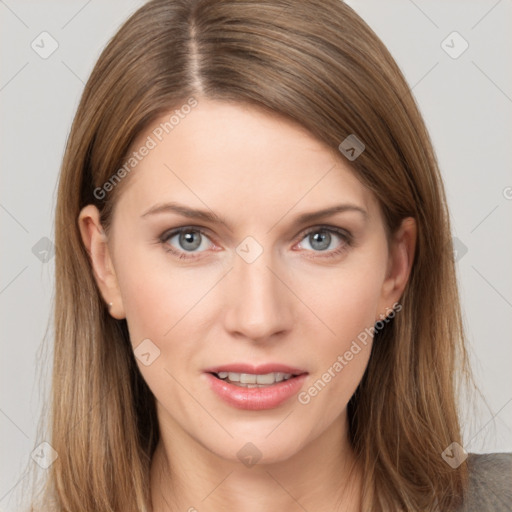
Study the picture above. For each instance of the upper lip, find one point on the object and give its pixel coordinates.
(261, 369)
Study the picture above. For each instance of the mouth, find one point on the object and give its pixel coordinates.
(250, 380)
(259, 387)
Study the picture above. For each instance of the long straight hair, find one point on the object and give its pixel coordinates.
(317, 63)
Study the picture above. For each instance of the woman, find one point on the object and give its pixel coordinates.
(256, 304)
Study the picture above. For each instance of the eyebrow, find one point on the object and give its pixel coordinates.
(210, 216)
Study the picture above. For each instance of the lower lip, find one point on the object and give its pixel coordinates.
(256, 399)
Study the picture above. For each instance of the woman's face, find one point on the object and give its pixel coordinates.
(260, 292)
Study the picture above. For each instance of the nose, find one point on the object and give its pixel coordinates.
(260, 306)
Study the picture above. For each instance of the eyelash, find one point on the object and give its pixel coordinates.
(345, 236)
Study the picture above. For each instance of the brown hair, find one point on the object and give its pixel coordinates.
(315, 62)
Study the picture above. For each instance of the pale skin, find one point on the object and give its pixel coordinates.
(294, 304)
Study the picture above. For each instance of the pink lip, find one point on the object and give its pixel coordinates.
(261, 369)
(256, 399)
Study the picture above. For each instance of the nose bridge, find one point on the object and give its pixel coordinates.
(259, 304)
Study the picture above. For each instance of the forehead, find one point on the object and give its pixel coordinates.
(240, 160)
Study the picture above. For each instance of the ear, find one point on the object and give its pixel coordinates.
(401, 256)
(96, 243)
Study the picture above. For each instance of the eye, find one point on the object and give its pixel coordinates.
(186, 240)
(323, 239)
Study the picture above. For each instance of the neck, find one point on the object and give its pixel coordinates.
(324, 475)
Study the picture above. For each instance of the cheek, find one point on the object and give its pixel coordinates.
(347, 306)
(156, 295)
(339, 357)
(162, 305)
(346, 300)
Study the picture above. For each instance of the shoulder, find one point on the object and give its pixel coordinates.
(490, 483)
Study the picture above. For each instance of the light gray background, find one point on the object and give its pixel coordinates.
(466, 103)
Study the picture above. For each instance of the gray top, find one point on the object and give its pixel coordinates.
(490, 483)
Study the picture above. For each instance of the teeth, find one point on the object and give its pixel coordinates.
(234, 377)
(269, 378)
(247, 378)
(251, 381)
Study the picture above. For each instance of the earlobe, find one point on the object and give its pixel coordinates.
(401, 257)
(96, 244)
